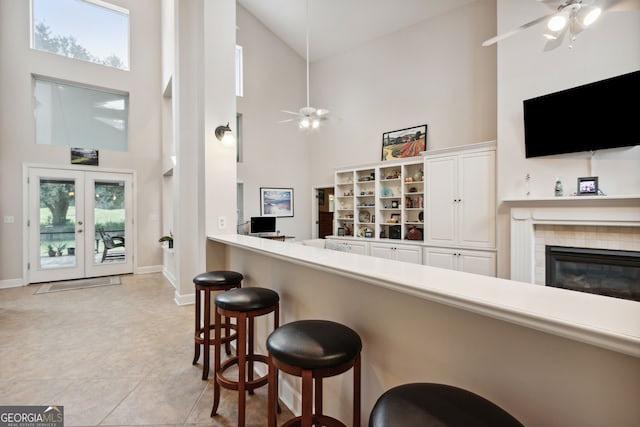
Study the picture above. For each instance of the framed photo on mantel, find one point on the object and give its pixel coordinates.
(407, 142)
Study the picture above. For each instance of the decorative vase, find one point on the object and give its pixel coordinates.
(414, 234)
(418, 175)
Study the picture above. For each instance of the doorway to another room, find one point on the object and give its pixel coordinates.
(324, 218)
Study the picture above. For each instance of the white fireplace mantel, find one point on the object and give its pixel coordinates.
(573, 210)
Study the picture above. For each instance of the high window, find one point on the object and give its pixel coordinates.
(239, 72)
(89, 30)
(76, 116)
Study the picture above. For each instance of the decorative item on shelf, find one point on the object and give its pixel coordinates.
(340, 231)
(414, 234)
(168, 239)
(408, 203)
(385, 192)
(368, 233)
(558, 188)
(588, 186)
(364, 216)
(383, 234)
(347, 230)
(394, 219)
(408, 179)
(413, 190)
(418, 176)
(394, 204)
(421, 217)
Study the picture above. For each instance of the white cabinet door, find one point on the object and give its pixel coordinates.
(477, 262)
(405, 253)
(380, 250)
(441, 199)
(476, 206)
(357, 248)
(409, 254)
(441, 258)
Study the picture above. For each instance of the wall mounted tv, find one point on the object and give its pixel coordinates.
(595, 116)
(263, 224)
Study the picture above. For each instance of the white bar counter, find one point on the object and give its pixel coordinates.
(548, 356)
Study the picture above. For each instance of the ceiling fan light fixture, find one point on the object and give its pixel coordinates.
(588, 15)
(304, 123)
(557, 22)
(315, 124)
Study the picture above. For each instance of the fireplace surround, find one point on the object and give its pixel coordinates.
(596, 222)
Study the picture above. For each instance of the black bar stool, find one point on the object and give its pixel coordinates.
(206, 283)
(243, 304)
(313, 350)
(428, 404)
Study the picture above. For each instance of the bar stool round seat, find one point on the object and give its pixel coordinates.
(313, 350)
(243, 304)
(206, 283)
(431, 405)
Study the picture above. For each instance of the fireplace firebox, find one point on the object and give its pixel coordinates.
(605, 272)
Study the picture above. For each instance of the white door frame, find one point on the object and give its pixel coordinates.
(93, 173)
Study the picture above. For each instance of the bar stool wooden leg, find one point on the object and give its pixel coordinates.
(207, 336)
(356, 392)
(318, 398)
(216, 364)
(196, 352)
(242, 368)
(307, 398)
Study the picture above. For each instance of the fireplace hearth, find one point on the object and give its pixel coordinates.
(612, 273)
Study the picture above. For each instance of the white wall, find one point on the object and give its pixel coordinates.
(274, 154)
(17, 137)
(611, 47)
(435, 72)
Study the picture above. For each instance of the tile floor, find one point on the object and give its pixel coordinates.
(114, 355)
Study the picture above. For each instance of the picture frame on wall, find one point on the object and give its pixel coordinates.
(408, 142)
(588, 186)
(84, 156)
(276, 202)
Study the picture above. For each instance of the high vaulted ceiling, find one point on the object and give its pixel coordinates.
(339, 25)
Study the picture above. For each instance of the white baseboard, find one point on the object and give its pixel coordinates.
(11, 283)
(170, 277)
(148, 269)
(184, 299)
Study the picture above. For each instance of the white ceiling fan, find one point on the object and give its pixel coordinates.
(568, 16)
(308, 117)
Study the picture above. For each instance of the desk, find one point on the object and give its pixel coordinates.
(280, 237)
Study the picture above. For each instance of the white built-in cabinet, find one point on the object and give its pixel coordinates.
(461, 198)
(470, 261)
(406, 253)
(438, 210)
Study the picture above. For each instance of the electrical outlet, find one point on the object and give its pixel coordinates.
(222, 222)
(9, 219)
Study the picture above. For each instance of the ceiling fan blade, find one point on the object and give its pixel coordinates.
(295, 113)
(620, 5)
(287, 120)
(515, 30)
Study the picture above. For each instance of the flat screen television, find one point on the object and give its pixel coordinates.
(263, 224)
(595, 116)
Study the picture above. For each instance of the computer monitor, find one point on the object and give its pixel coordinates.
(263, 224)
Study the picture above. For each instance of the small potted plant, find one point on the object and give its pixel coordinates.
(52, 252)
(168, 239)
(60, 247)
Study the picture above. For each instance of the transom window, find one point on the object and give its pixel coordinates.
(89, 30)
(76, 116)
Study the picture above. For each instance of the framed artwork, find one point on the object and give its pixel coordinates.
(276, 202)
(84, 156)
(588, 186)
(407, 142)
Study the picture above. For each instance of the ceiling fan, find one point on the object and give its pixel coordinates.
(308, 117)
(568, 16)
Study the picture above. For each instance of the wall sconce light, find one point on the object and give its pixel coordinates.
(224, 135)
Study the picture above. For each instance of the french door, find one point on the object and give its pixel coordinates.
(80, 224)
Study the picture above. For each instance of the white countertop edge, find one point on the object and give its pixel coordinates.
(609, 323)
